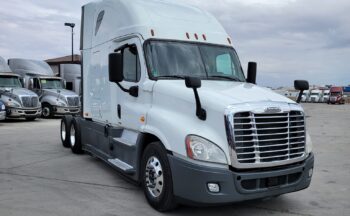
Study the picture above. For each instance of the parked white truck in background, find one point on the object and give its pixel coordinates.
(71, 73)
(166, 103)
(325, 97)
(315, 96)
(305, 96)
(19, 102)
(39, 77)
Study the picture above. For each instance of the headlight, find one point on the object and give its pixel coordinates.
(308, 144)
(3, 107)
(13, 104)
(62, 104)
(201, 149)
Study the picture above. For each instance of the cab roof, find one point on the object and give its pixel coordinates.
(161, 19)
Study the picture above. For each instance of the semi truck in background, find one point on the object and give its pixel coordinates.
(19, 102)
(336, 95)
(305, 96)
(325, 97)
(39, 77)
(71, 73)
(315, 96)
(166, 103)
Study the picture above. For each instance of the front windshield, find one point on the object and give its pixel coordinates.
(315, 94)
(10, 82)
(335, 94)
(51, 84)
(177, 60)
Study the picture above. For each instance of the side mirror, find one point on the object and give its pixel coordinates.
(31, 84)
(301, 85)
(251, 74)
(195, 83)
(115, 63)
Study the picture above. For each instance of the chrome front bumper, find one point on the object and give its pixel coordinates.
(2, 115)
(20, 113)
(66, 110)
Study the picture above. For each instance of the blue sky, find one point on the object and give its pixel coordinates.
(290, 39)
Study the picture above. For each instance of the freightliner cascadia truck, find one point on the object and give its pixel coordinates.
(166, 103)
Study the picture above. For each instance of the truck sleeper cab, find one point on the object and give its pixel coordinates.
(39, 77)
(173, 111)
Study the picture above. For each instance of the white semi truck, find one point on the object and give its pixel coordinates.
(19, 102)
(315, 96)
(39, 77)
(166, 103)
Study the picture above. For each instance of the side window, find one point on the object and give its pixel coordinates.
(99, 21)
(36, 83)
(224, 64)
(69, 85)
(131, 69)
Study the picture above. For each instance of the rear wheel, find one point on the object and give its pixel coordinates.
(157, 178)
(75, 137)
(47, 111)
(65, 132)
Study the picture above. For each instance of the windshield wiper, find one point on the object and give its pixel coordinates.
(226, 77)
(172, 76)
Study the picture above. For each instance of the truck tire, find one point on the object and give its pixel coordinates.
(157, 178)
(75, 137)
(30, 118)
(47, 111)
(64, 132)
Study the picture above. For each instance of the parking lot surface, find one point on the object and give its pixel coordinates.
(39, 177)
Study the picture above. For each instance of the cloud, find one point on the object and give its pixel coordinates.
(290, 39)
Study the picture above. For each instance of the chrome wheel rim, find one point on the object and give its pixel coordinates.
(154, 177)
(63, 131)
(46, 112)
(72, 136)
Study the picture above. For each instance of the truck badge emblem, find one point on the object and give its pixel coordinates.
(273, 110)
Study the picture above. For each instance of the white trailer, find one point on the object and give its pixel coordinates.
(166, 103)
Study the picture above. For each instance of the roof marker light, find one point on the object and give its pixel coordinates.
(152, 32)
(196, 36)
(187, 35)
(204, 37)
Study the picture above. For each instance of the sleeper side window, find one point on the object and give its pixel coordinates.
(131, 68)
(99, 21)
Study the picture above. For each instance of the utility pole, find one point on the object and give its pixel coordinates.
(72, 25)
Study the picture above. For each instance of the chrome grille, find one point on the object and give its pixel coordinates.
(73, 101)
(263, 138)
(30, 102)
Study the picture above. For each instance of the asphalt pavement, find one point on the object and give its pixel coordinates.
(39, 177)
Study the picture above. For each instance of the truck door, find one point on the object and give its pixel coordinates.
(132, 110)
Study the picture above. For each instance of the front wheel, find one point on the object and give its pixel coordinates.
(47, 111)
(157, 178)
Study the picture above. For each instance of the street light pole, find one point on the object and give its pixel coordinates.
(72, 25)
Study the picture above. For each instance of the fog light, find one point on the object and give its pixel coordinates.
(213, 187)
(311, 171)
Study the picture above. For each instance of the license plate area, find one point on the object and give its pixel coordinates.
(272, 182)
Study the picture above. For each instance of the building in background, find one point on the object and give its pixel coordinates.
(70, 71)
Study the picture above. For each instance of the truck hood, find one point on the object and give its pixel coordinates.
(19, 92)
(63, 92)
(219, 94)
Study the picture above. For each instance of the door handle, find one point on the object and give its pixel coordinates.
(119, 111)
